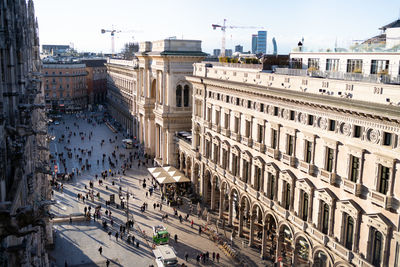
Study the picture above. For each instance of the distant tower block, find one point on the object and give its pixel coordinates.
(275, 46)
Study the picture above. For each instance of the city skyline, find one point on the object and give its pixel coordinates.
(287, 21)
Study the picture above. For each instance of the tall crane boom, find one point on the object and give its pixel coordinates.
(113, 32)
(223, 29)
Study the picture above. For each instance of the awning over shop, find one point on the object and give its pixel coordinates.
(168, 175)
(166, 180)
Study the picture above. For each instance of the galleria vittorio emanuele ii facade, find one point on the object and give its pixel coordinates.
(303, 167)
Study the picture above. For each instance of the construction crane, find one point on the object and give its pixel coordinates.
(113, 32)
(223, 29)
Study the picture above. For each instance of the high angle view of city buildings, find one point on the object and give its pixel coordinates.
(235, 143)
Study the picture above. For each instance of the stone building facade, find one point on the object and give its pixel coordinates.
(306, 175)
(96, 80)
(65, 86)
(24, 189)
(150, 95)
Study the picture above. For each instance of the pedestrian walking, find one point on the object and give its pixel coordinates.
(186, 256)
(213, 255)
(160, 206)
(109, 235)
(116, 236)
(198, 258)
(108, 262)
(199, 230)
(100, 250)
(154, 205)
(176, 238)
(217, 257)
(191, 224)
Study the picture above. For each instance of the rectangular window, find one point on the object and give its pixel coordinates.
(379, 67)
(332, 125)
(292, 115)
(276, 111)
(227, 99)
(262, 107)
(310, 119)
(237, 127)
(248, 104)
(290, 144)
(237, 101)
(226, 121)
(387, 139)
(313, 63)
(354, 65)
(260, 133)
(357, 131)
(296, 63)
(329, 159)
(274, 139)
(332, 64)
(272, 186)
(248, 125)
(354, 168)
(325, 217)
(217, 117)
(308, 152)
(383, 185)
(209, 114)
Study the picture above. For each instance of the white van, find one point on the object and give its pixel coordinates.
(165, 256)
(127, 143)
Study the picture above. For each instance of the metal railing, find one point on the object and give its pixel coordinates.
(234, 65)
(336, 75)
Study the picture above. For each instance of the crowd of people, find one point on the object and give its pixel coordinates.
(95, 195)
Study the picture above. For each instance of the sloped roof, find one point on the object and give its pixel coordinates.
(394, 24)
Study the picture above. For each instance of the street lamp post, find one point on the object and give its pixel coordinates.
(127, 209)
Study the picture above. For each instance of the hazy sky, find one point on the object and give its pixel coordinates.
(319, 22)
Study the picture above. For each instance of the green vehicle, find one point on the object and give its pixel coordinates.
(160, 235)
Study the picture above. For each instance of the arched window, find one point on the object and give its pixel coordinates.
(325, 218)
(349, 231)
(186, 96)
(305, 207)
(179, 96)
(377, 247)
(287, 196)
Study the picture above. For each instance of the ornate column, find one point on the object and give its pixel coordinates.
(251, 233)
(213, 195)
(264, 241)
(241, 210)
(221, 203)
(181, 163)
(230, 211)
